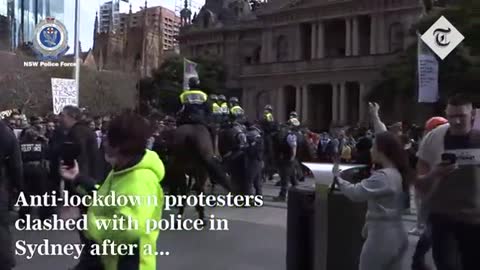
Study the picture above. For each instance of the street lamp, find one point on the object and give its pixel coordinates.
(77, 48)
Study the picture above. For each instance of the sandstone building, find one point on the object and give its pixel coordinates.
(139, 43)
(317, 57)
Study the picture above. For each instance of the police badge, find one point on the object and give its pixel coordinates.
(50, 39)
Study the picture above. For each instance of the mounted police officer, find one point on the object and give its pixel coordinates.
(215, 108)
(254, 158)
(34, 157)
(225, 111)
(236, 112)
(194, 104)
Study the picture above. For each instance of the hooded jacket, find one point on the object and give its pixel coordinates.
(143, 180)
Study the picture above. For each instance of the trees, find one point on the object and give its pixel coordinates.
(161, 91)
(457, 73)
(29, 88)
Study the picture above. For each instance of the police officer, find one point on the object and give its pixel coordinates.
(34, 156)
(287, 142)
(222, 100)
(215, 108)
(293, 115)
(194, 104)
(236, 112)
(11, 164)
(267, 113)
(254, 152)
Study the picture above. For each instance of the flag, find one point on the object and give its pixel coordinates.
(189, 71)
(427, 71)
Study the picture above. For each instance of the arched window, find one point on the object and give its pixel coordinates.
(281, 46)
(396, 37)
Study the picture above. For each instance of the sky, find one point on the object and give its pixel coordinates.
(90, 7)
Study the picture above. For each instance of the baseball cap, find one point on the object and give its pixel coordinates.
(434, 122)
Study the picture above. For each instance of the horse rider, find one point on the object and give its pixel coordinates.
(194, 104)
(222, 101)
(215, 108)
(236, 112)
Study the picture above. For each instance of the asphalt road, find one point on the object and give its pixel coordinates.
(256, 239)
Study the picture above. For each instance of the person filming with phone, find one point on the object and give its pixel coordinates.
(449, 177)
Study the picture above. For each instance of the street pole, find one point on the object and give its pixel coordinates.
(77, 48)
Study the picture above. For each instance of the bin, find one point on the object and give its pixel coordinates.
(338, 225)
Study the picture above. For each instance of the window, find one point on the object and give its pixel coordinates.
(281, 46)
(396, 37)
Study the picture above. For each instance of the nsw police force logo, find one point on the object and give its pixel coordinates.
(50, 39)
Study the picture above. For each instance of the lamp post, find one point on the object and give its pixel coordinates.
(77, 48)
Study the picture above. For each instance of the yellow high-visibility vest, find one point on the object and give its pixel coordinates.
(193, 97)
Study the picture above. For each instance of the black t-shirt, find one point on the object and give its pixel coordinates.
(458, 195)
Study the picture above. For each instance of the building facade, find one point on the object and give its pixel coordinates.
(317, 57)
(140, 42)
(18, 19)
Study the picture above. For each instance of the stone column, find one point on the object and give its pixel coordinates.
(305, 104)
(263, 53)
(382, 38)
(355, 37)
(373, 34)
(343, 103)
(348, 37)
(270, 53)
(314, 41)
(335, 114)
(321, 40)
(298, 100)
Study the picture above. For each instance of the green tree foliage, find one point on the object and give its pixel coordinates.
(161, 91)
(458, 72)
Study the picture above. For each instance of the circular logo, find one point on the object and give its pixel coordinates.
(50, 40)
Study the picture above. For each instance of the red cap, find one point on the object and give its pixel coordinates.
(434, 122)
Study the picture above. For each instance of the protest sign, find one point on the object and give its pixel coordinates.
(64, 92)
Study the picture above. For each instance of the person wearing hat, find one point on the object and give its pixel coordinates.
(424, 243)
(215, 108)
(194, 104)
(236, 112)
(225, 111)
(267, 113)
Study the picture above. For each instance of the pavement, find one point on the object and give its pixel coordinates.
(256, 240)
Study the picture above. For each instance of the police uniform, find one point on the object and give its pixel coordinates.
(35, 171)
(254, 157)
(194, 109)
(288, 141)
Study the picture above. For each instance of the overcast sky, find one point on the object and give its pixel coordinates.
(90, 7)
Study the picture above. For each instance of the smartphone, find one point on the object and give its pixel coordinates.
(449, 158)
(69, 152)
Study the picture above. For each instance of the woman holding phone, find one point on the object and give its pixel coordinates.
(386, 238)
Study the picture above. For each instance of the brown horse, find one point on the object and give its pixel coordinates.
(192, 153)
